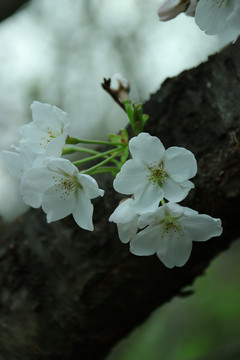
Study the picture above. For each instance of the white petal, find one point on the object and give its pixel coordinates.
(131, 178)
(83, 212)
(32, 198)
(148, 198)
(151, 217)
(48, 130)
(62, 166)
(189, 212)
(46, 115)
(175, 210)
(90, 186)
(146, 242)
(123, 212)
(201, 227)
(176, 248)
(55, 146)
(14, 163)
(38, 141)
(179, 163)
(174, 191)
(232, 27)
(34, 182)
(145, 147)
(127, 230)
(57, 206)
(211, 15)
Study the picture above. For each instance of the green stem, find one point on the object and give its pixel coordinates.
(105, 169)
(99, 155)
(70, 150)
(110, 158)
(72, 140)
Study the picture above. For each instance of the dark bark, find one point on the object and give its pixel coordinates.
(71, 294)
(9, 7)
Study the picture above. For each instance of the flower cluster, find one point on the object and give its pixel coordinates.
(220, 17)
(47, 179)
(152, 176)
(156, 179)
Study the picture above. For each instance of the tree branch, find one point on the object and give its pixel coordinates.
(9, 7)
(73, 294)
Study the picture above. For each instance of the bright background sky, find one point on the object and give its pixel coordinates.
(59, 51)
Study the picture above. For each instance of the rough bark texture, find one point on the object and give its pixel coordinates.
(68, 294)
(9, 7)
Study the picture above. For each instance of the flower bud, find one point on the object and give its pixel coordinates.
(120, 86)
(171, 8)
(191, 8)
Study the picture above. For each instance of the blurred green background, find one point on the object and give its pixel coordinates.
(203, 326)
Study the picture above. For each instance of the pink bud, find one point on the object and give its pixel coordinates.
(171, 8)
(191, 8)
(120, 86)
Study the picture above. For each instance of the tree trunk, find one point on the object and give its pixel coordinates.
(69, 294)
(9, 7)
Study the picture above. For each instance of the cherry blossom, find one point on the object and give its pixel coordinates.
(61, 190)
(154, 173)
(169, 232)
(48, 130)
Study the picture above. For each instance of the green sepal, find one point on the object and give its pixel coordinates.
(124, 156)
(114, 138)
(121, 139)
(135, 115)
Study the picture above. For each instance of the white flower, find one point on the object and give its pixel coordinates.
(219, 17)
(155, 173)
(170, 231)
(125, 216)
(48, 130)
(58, 186)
